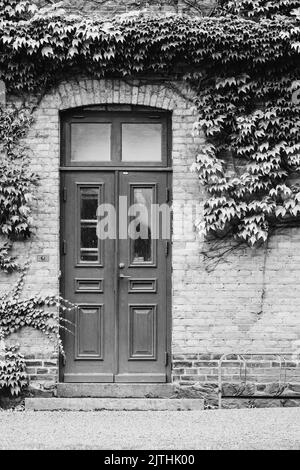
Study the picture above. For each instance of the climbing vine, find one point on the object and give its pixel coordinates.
(252, 115)
(260, 8)
(17, 184)
(39, 312)
(8, 263)
(13, 376)
(16, 180)
(243, 64)
(42, 313)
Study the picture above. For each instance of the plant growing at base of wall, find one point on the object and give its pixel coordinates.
(39, 312)
(43, 313)
(13, 376)
(243, 64)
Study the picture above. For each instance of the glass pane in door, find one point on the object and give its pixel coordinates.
(89, 243)
(141, 229)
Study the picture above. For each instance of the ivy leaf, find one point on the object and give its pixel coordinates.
(47, 51)
(280, 211)
(295, 46)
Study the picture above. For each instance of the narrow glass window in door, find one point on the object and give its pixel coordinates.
(91, 142)
(141, 142)
(141, 229)
(89, 243)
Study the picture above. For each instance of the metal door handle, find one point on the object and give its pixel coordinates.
(122, 276)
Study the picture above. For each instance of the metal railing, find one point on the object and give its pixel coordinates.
(240, 358)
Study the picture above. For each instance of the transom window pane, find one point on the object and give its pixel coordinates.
(141, 142)
(91, 142)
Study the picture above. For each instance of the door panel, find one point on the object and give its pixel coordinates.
(142, 332)
(89, 332)
(88, 275)
(142, 283)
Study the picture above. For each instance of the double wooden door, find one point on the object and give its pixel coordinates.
(118, 273)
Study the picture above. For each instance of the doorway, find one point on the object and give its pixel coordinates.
(116, 267)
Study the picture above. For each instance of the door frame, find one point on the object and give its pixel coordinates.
(117, 169)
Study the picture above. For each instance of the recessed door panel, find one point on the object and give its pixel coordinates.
(89, 332)
(142, 332)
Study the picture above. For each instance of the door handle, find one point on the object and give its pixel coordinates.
(122, 276)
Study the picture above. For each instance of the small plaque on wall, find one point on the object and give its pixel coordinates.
(43, 258)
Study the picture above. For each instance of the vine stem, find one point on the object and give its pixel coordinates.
(264, 285)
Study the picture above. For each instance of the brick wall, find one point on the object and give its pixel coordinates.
(248, 302)
(40, 355)
(44, 142)
(113, 7)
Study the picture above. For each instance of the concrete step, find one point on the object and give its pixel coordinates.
(113, 404)
(114, 390)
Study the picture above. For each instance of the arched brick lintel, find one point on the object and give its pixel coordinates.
(171, 96)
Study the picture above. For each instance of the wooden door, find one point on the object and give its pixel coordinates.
(121, 286)
(143, 280)
(88, 279)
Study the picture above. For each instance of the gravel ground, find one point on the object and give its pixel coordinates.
(229, 429)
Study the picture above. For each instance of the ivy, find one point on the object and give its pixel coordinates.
(16, 182)
(38, 312)
(15, 198)
(14, 125)
(50, 44)
(13, 376)
(261, 8)
(8, 263)
(261, 131)
(243, 64)
(43, 313)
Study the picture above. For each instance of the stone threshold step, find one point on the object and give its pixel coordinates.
(115, 390)
(112, 404)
